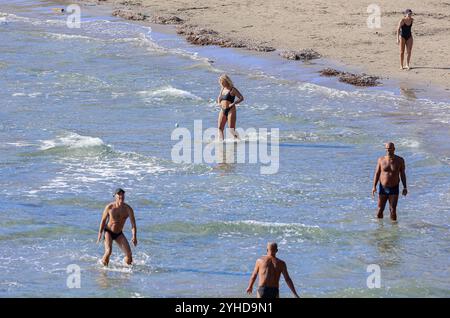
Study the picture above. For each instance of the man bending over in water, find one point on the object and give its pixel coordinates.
(116, 214)
(390, 169)
(269, 268)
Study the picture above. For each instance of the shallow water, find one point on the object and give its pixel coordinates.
(87, 110)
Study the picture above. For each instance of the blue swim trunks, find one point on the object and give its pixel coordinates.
(388, 190)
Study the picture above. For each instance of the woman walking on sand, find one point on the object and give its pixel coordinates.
(228, 106)
(404, 38)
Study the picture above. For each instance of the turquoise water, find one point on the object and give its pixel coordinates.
(86, 110)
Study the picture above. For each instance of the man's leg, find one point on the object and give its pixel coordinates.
(393, 199)
(382, 199)
(125, 247)
(108, 249)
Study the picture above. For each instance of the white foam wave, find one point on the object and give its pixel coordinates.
(105, 30)
(258, 106)
(390, 99)
(116, 264)
(167, 92)
(204, 65)
(243, 137)
(11, 284)
(255, 136)
(408, 143)
(63, 36)
(32, 95)
(330, 92)
(115, 95)
(142, 40)
(120, 32)
(337, 93)
(72, 141)
(342, 134)
(116, 268)
(82, 172)
(20, 144)
(442, 121)
(193, 56)
(11, 17)
(303, 137)
(273, 224)
(79, 176)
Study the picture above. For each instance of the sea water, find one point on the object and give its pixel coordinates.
(87, 110)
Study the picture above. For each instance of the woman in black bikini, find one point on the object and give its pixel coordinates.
(404, 37)
(228, 106)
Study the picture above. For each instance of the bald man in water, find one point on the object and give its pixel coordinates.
(269, 269)
(390, 169)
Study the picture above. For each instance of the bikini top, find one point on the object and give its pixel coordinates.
(227, 97)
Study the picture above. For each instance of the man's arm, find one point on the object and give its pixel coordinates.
(103, 223)
(376, 177)
(403, 176)
(253, 278)
(288, 280)
(133, 225)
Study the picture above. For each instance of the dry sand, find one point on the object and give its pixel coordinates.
(336, 29)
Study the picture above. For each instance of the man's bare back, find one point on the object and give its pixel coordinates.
(269, 271)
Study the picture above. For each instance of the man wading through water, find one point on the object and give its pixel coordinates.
(115, 215)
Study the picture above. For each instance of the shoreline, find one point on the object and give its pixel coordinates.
(255, 36)
(93, 108)
(144, 13)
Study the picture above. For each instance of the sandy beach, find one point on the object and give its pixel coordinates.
(337, 30)
(131, 104)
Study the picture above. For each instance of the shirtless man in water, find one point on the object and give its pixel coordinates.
(390, 169)
(116, 214)
(269, 268)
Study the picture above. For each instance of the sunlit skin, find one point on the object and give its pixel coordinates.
(408, 20)
(269, 269)
(224, 104)
(389, 171)
(115, 216)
